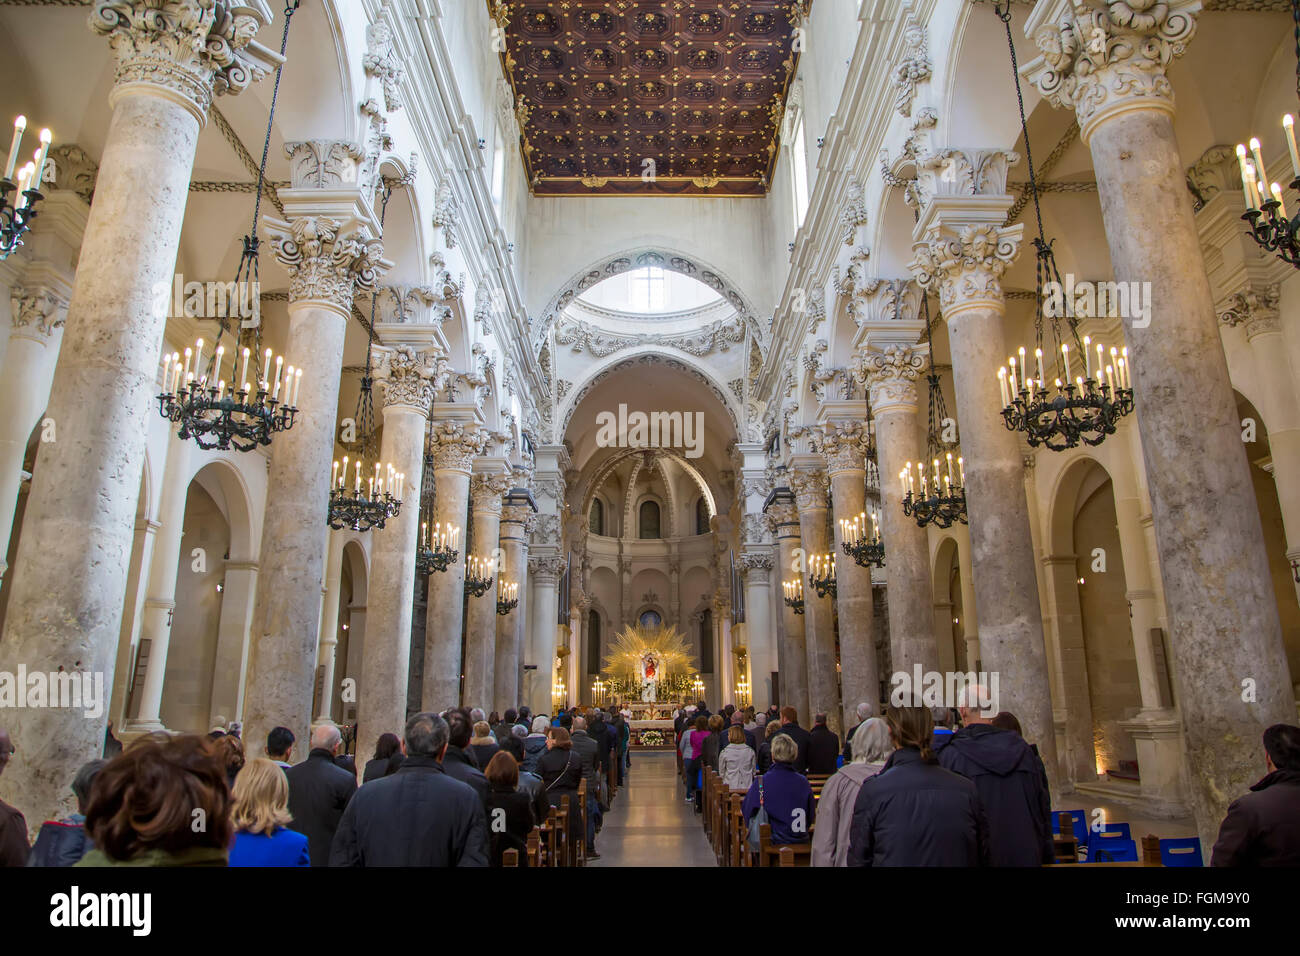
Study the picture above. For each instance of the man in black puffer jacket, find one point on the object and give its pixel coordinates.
(1262, 828)
(1010, 779)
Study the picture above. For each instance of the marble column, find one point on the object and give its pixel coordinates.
(544, 571)
(1224, 629)
(845, 444)
(164, 569)
(759, 637)
(65, 607)
(962, 249)
(38, 312)
(455, 444)
(406, 376)
(481, 617)
(517, 521)
(810, 486)
(328, 247)
(783, 518)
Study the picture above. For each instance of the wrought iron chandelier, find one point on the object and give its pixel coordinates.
(507, 597)
(866, 549)
(436, 550)
(1082, 407)
(794, 594)
(1266, 212)
(478, 576)
(16, 215)
(821, 574)
(942, 500)
(211, 409)
(371, 505)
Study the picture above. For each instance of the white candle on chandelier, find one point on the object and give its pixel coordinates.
(243, 378)
(1288, 126)
(1038, 354)
(358, 481)
(1260, 169)
(288, 383)
(176, 374)
(1252, 187)
(266, 372)
(334, 475)
(198, 362)
(1128, 367)
(1110, 381)
(1087, 357)
(24, 175)
(20, 124)
(279, 363)
(166, 367)
(1002, 386)
(1241, 165)
(297, 384)
(1101, 359)
(189, 356)
(1065, 354)
(1024, 366)
(216, 369)
(961, 471)
(1277, 195)
(41, 155)
(1011, 377)
(343, 478)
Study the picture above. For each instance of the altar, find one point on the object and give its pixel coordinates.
(645, 665)
(651, 725)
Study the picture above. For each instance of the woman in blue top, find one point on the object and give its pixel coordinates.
(261, 819)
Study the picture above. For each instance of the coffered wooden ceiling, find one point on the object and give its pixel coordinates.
(601, 86)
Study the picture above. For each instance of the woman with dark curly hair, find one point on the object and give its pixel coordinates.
(161, 802)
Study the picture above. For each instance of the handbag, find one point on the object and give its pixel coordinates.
(752, 838)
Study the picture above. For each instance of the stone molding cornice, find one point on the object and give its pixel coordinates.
(188, 50)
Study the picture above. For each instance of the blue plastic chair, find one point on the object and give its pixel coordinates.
(1181, 851)
(1078, 824)
(1113, 850)
(1111, 831)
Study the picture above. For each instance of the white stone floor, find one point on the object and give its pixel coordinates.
(651, 824)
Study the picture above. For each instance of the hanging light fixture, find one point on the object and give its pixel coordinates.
(16, 215)
(1266, 212)
(1082, 407)
(821, 574)
(436, 549)
(942, 501)
(794, 594)
(867, 549)
(478, 576)
(371, 504)
(507, 597)
(239, 412)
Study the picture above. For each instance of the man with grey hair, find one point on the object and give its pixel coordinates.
(1009, 777)
(865, 712)
(319, 790)
(418, 816)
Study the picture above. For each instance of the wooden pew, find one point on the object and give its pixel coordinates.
(800, 853)
(564, 840)
(736, 829)
(510, 857)
(551, 837)
(1065, 846)
(535, 847)
(582, 837)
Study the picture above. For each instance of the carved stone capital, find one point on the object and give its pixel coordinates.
(782, 514)
(454, 446)
(951, 171)
(325, 262)
(846, 446)
(810, 487)
(891, 372)
(1109, 56)
(755, 561)
(191, 49)
(1255, 308)
(407, 375)
(546, 531)
(323, 163)
(517, 514)
(886, 302)
(965, 261)
(546, 568)
(37, 310)
(485, 492)
(71, 167)
(754, 529)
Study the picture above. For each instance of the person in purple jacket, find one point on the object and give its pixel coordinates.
(261, 819)
(785, 794)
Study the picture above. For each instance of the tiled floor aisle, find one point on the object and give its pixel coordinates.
(651, 824)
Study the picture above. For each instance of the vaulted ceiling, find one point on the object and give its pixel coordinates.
(649, 97)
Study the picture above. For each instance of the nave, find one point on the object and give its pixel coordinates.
(650, 823)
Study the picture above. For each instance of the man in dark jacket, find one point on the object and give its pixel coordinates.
(790, 726)
(13, 825)
(503, 729)
(823, 747)
(588, 750)
(1263, 827)
(929, 816)
(64, 842)
(456, 761)
(319, 790)
(1010, 779)
(418, 816)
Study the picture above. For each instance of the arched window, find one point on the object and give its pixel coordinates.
(596, 518)
(593, 642)
(650, 619)
(650, 519)
(701, 516)
(706, 642)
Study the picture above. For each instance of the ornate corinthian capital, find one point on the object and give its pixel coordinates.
(891, 372)
(455, 446)
(965, 261)
(407, 375)
(845, 445)
(755, 561)
(37, 310)
(546, 568)
(810, 487)
(323, 163)
(192, 48)
(326, 262)
(1255, 307)
(1106, 56)
(485, 492)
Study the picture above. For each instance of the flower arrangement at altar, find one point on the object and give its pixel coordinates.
(651, 738)
(649, 663)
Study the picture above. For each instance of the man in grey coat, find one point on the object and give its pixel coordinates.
(585, 746)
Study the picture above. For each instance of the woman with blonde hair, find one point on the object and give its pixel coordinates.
(871, 747)
(261, 819)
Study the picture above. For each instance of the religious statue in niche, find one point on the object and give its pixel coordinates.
(649, 677)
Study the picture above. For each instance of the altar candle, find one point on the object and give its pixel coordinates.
(46, 138)
(1277, 195)
(20, 124)
(1260, 169)
(1288, 124)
